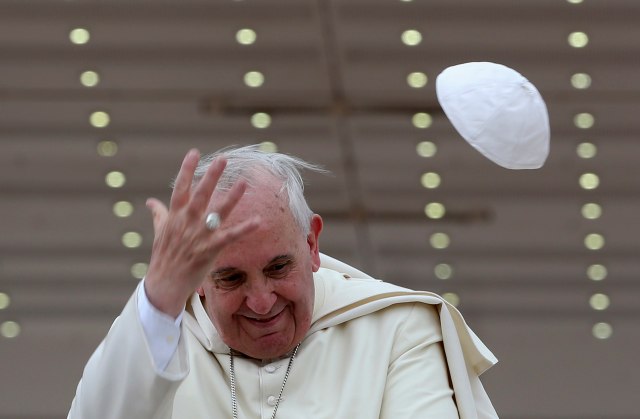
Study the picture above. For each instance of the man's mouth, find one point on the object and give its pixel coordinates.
(265, 321)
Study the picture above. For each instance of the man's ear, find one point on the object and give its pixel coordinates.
(312, 240)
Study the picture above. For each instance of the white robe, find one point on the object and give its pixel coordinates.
(374, 350)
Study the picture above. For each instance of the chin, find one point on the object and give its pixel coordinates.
(267, 348)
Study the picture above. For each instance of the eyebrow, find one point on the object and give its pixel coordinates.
(231, 269)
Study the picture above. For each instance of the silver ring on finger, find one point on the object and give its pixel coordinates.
(212, 221)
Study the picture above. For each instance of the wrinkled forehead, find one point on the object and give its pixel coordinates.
(256, 175)
(261, 184)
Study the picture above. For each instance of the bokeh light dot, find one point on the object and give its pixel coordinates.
(434, 210)
(591, 211)
(5, 300)
(123, 209)
(268, 147)
(443, 271)
(602, 330)
(139, 270)
(452, 298)
(417, 79)
(246, 36)
(132, 239)
(254, 79)
(100, 119)
(597, 272)
(586, 150)
(89, 78)
(584, 120)
(107, 148)
(430, 180)
(581, 81)
(411, 37)
(578, 39)
(79, 36)
(594, 241)
(439, 240)
(589, 181)
(426, 149)
(115, 179)
(9, 329)
(261, 120)
(599, 301)
(422, 120)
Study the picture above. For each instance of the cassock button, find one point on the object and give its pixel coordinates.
(272, 400)
(270, 369)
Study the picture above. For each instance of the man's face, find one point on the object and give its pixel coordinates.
(260, 292)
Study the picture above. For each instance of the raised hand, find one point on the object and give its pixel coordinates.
(183, 247)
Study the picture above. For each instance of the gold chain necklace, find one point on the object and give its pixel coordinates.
(234, 399)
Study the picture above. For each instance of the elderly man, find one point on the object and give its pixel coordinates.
(240, 316)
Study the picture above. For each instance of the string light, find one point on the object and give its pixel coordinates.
(591, 211)
(578, 39)
(452, 298)
(139, 270)
(254, 79)
(246, 36)
(589, 181)
(115, 179)
(597, 272)
(417, 79)
(443, 271)
(426, 149)
(79, 36)
(411, 37)
(439, 240)
(586, 150)
(9, 329)
(434, 210)
(268, 147)
(430, 180)
(581, 81)
(123, 209)
(132, 239)
(599, 301)
(107, 148)
(5, 300)
(99, 119)
(602, 330)
(89, 78)
(594, 241)
(422, 120)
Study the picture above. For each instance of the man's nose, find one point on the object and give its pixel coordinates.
(261, 296)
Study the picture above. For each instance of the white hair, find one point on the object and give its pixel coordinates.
(249, 162)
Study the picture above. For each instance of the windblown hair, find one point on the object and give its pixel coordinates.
(249, 163)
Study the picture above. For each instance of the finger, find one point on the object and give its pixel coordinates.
(231, 234)
(202, 194)
(182, 185)
(230, 199)
(159, 214)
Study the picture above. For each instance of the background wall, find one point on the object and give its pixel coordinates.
(148, 80)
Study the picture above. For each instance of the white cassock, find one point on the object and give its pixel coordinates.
(374, 350)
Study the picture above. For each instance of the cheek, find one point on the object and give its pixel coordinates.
(303, 295)
(221, 305)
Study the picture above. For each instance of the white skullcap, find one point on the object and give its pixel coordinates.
(498, 111)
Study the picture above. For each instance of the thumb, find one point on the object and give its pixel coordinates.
(159, 214)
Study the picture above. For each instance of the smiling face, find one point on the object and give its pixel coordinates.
(260, 292)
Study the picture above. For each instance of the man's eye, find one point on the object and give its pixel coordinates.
(278, 269)
(231, 278)
(229, 281)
